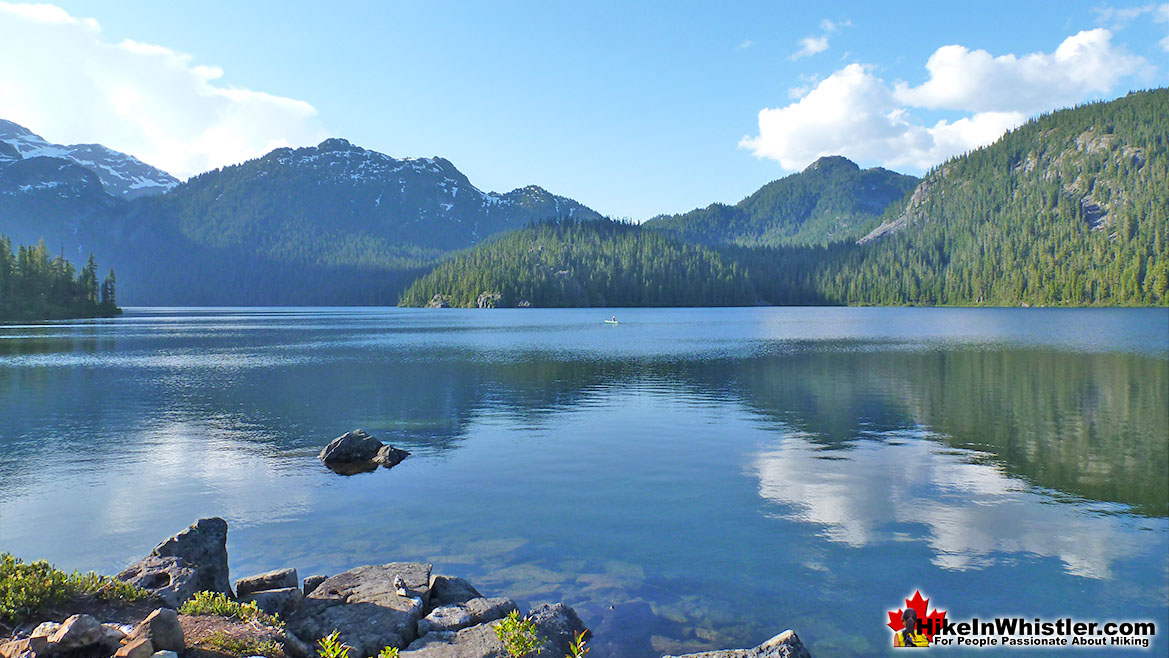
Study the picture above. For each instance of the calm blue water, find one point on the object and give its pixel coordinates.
(687, 479)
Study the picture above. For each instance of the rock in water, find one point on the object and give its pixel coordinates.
(193, 560)
(358, 452)
(785, 645)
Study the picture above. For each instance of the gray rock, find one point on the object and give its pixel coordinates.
(389, 456)
(139, 648)
(438, 301)
(362, 603)
(45, 629)
(283, 601)
(785, 645)
(488, 299)
(358, 452)
(277, 579)
(474, 642)
(294, 647)
(28, 647)
(556, 624)
(193, 560)
(355, 446)
(163, 628)
(458, 616)
(555, 627)
(445, 590)
(170, 578)
(165, 654)
(77, 632)
(312, 582)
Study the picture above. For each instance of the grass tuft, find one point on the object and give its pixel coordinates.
(29, 588)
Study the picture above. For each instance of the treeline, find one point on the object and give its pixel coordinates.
(36, 287)
(565, 263)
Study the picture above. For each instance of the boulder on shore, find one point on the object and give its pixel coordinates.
(785, 645)
(556, 626)
(190, 561)
(364, 605)
(358, 452)
(276, 579)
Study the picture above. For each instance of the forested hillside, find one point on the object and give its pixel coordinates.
(35, 287)
(590, 263)
(832, 200)
(1071, 208)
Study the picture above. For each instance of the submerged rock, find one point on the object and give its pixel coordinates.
(358, 452)
(785, 645)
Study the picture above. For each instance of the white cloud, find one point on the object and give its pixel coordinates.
(834, 26)
(60, 78)
(810, 46)
(855, 113)
(745, 44)
(1085, 64)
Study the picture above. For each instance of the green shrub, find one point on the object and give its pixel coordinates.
(27, 588)
(518, 635)
(216, 603)
(223, 643)
(388, 652)
(578, 649)
(331, 647)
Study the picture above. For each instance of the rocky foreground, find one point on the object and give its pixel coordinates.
(402, 605)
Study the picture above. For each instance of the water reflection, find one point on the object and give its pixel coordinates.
(909, 487)
(703, 472)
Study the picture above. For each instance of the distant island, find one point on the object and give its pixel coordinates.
(34, 287)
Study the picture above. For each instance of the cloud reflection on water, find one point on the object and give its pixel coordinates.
(971, 514)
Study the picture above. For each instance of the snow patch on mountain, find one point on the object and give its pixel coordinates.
(121, 175)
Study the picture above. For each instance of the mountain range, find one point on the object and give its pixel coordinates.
(1070, 208)
(331, 224)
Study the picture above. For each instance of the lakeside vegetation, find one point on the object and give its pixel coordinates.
(36, 287)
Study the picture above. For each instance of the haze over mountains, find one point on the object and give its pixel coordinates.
(1068, 209)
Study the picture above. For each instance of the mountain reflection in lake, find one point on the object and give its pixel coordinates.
(691, 478)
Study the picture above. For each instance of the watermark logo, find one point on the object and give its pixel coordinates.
(912, 626)
(917, 625)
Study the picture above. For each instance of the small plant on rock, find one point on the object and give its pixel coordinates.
(518, 635)
(578, 649)
(331, 647)
(221, 642)
(388, 652)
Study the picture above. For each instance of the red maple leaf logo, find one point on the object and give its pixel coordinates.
(929, 623)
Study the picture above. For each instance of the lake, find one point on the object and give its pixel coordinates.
(686, 479)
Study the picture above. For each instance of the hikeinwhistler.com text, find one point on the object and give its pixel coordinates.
(1019, 632)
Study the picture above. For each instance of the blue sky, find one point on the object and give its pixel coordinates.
(632, 108)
